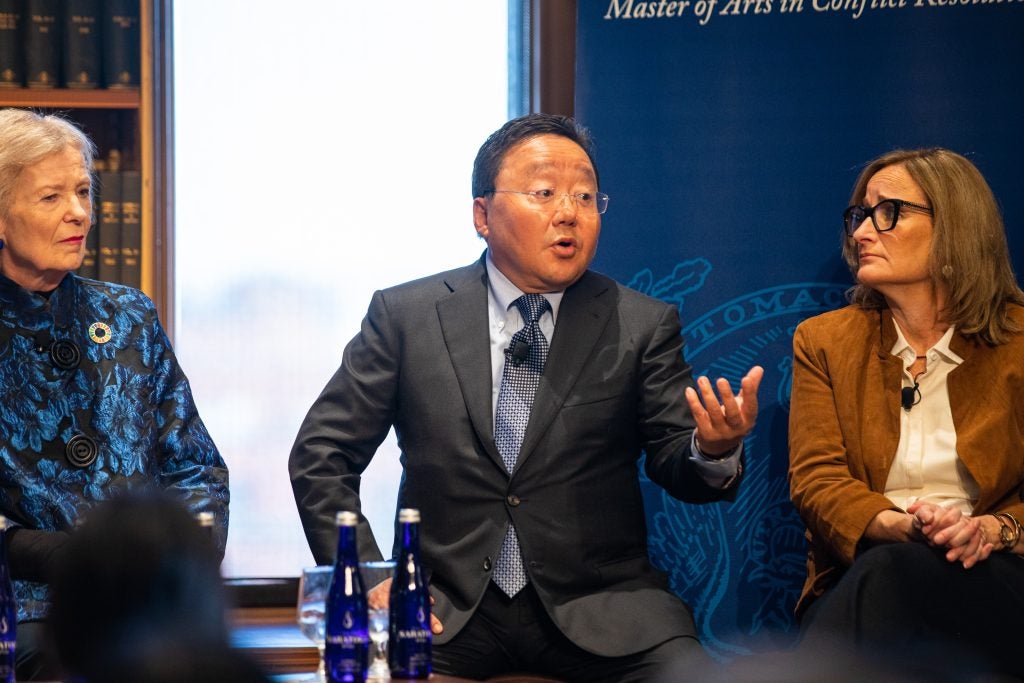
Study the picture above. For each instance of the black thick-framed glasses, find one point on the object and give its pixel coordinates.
(585, 201)
(885, 214)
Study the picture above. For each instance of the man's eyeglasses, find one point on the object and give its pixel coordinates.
(585, 201)
(884, 214)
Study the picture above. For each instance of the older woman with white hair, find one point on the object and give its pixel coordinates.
(92, 400)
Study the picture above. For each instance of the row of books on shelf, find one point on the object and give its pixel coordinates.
(80, 44)
(113, 249)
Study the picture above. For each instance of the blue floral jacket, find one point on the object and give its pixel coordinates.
(125, 403)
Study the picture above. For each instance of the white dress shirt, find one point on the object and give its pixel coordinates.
(926, 466)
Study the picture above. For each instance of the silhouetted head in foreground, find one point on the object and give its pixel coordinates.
(139, 598)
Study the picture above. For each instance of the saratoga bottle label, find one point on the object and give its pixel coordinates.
(348, 640)
(417, 634)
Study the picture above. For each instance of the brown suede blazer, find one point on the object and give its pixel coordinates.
(844, 426)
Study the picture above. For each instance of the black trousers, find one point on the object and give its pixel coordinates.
(35, 656)
(515, 635)
(907, 607)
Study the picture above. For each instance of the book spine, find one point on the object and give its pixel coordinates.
(42, 43)
(82, 44)
(120, 34)
(131, 228)
(109, 239)
(12, 72)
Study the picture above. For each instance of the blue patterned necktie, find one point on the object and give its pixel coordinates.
(524, 364)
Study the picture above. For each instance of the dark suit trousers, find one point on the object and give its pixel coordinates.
(36, 656)
(909, 608)
(515, 635)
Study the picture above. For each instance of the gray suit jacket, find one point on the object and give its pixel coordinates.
(612, 389)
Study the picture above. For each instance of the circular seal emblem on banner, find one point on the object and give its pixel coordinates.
(739, 565)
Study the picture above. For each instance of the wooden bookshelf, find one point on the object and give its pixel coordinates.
(62, 98)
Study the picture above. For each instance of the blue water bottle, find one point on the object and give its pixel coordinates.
(8, 612)
(410, 636)
(347, 641)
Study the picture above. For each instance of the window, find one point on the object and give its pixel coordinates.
(323, 150)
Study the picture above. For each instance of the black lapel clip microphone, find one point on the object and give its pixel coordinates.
(910, 396)
(519, 352)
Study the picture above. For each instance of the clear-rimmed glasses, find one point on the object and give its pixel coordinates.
(374, 574)
(585, 201)
(884, 214)
(314, 586)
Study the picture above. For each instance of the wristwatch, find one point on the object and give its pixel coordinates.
(1009, 530)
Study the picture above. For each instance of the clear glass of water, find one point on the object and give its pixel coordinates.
(314, 585)
(377, 579)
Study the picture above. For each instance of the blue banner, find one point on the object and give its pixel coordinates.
(729, 135)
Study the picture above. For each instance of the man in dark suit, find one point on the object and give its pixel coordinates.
(521, 420)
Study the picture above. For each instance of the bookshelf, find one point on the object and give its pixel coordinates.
(62, 98)
(138, 122)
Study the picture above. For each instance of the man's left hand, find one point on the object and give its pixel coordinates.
(722, 425)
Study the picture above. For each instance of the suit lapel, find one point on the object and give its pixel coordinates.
(582, 316)
(463, 319)
(887, 423)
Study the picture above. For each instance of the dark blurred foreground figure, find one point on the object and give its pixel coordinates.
(907, 427)
(139, 598)
(92, 399)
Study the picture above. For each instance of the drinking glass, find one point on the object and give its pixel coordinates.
(314, 586)
(374, 573)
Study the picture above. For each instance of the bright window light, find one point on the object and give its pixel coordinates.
(323, 150)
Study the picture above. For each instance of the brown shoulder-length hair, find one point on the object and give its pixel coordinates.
(969, 255)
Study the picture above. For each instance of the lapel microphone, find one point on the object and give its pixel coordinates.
(519, 352)
(910, 396)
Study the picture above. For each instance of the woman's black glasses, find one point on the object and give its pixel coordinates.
(884, 214)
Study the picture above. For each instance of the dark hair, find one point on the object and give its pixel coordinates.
(969, 254)
(137, 596)
(493, 151)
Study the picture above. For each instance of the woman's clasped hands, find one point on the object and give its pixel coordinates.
(962, 535)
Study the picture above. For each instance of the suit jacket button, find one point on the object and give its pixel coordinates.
(513, 500)
(487, 564)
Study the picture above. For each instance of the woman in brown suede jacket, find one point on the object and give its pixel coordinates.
(907, 427)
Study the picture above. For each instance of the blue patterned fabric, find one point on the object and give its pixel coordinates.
(128, 394)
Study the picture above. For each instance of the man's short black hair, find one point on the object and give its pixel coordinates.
(493, 151)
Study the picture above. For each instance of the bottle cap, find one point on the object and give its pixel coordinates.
(346, 519)
(408, 515)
